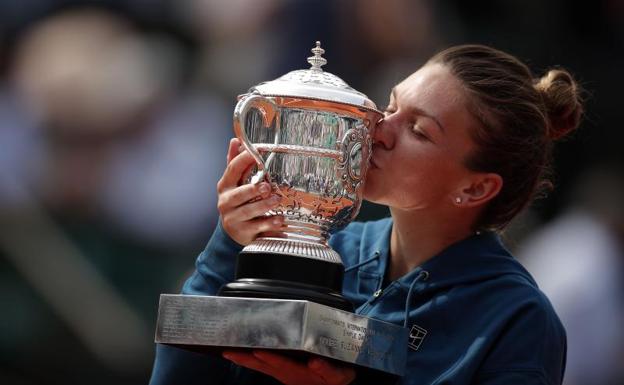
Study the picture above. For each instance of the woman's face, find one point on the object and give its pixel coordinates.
(420, 145)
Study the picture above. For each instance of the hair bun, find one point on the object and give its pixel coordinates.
(564, 106)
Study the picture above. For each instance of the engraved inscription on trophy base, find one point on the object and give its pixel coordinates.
(282, 324)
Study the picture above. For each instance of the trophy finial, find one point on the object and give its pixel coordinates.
(317, 60)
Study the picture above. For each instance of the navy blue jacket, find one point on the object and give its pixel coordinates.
(475, 314)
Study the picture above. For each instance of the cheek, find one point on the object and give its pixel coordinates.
(402, 186)
(421, 177)
(429, 181)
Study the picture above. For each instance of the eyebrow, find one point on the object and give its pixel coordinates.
(420, 111)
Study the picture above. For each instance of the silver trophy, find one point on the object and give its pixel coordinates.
(310, 134)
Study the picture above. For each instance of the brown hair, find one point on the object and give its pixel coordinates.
(519, 118)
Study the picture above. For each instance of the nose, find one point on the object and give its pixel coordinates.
(383, 134)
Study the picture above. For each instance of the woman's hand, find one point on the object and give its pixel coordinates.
(317, 371)
(242, 208)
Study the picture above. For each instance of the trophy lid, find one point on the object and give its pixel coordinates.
(315, 84)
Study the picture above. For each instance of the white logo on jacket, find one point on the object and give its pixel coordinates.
(416, 337)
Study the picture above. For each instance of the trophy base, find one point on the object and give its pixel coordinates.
(211, 324)
(267, 288)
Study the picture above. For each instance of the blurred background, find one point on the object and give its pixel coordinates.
(114, 123)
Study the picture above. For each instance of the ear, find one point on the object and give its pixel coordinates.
(478, 190)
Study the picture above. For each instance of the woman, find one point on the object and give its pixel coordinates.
(464, 146)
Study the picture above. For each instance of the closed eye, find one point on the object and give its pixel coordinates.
(420, 134)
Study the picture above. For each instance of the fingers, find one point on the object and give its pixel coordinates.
(245, 232)
(235, 197)
(235, 170)
(255, 209)
(250, 361)
(247, 222)
(282, 368)
(247, 202)
(317, 371)
(330, 373)
(277, 361)
(233, 149)
(236, 149)
(247, 174)
(243, 208)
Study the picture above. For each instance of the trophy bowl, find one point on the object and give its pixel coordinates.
(310, 134)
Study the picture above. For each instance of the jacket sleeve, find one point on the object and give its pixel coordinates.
(214, 267)
(531, 350)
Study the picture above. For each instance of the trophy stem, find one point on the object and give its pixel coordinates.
(303, 231)
(294, 247)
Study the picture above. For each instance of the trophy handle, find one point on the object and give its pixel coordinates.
(268, 110)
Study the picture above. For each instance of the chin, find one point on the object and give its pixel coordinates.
(371, 195)
(374, 183)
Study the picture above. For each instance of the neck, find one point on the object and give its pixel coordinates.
(418, 237)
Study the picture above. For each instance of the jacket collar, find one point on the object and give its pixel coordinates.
(479, 257)
(476, 258)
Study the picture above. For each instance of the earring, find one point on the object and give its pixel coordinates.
(458, 200)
